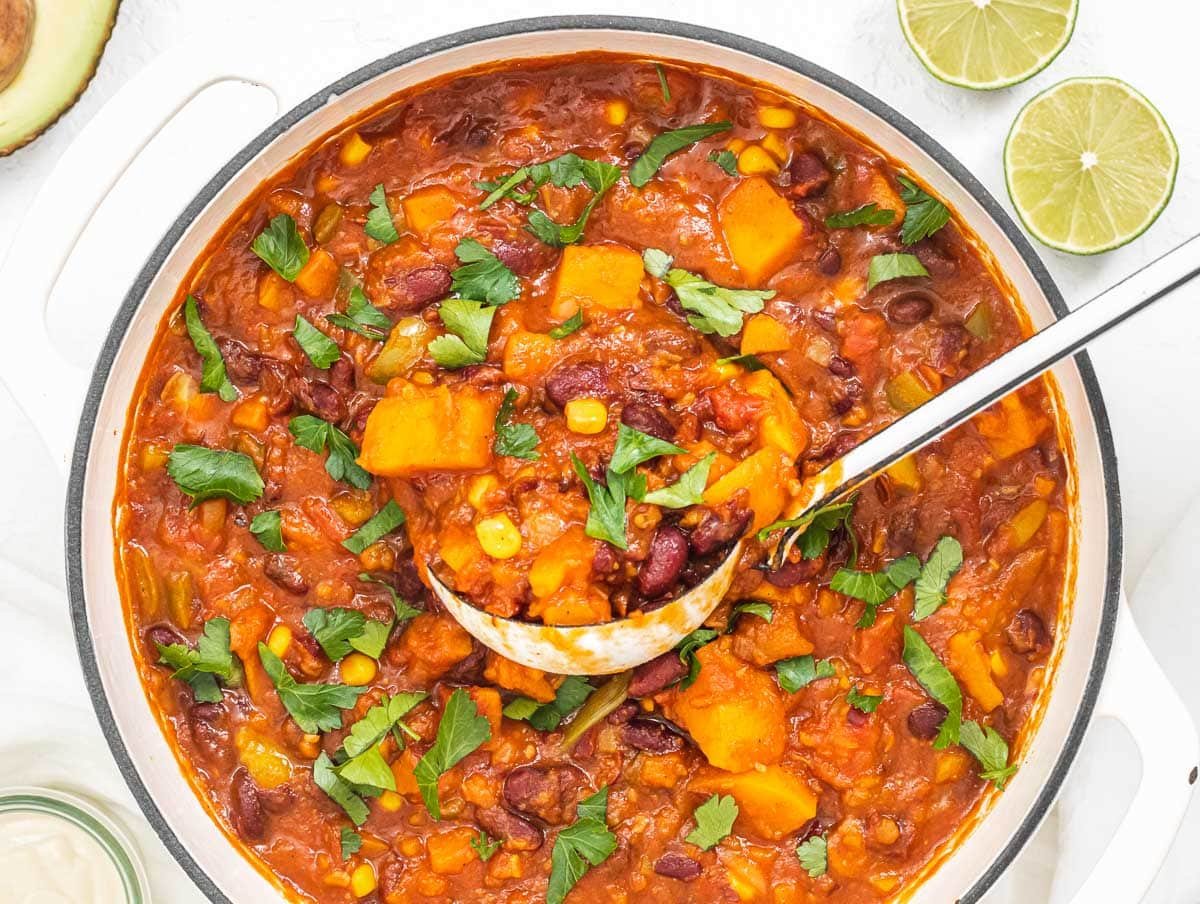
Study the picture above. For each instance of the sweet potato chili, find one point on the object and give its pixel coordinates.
(561, 332)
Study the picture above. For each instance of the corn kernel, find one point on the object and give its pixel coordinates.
(615, 112)
(776, 117)
(354, 150)
(736, 145)
(410, 846)
(326, 183)
(339, 878)
(774, 145)
(479, 489)
(754, 161)
(310, 746)
(377, 557)
(362, 880)
(358, 669)
(586, 416)
(154, 456)
(279, 640)
(422, 378)
(498, 536)
(390, 801)
(998, 665)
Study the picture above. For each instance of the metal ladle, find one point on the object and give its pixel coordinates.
(622, 644)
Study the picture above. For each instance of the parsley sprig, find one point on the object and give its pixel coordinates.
(461, 731)
(213, 377)
(585, 843)
(514, 440)
(203, 666)
(665, 144)
(481, 283)
(714, 821)
(281, 248)
(315, 707)
(203, 473)
(380, 225)
(316, 434)
(924, 215)
(320, 349)
(714, 309)
(801, 671)
(568, 697)
(362, 317)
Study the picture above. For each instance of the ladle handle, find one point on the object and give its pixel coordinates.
(1011, 370)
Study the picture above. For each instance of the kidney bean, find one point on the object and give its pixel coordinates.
(656, 675)
(246, 809)
(547, 792)
(469, 670)
(793, 573)
(648, 419)
(664, 562)
(1027, 633)
(857, 717)
(163, 635)
(282, 571)
(826, 320)
(426, 285)
(517, 833)
(520, 257)
(949, 346)
(713, 531)
(830, 261)
(242, 365)
(319, 398)
(466, 131)
(674, 865)
(341, 374)
(935, 260)
(806, 175)
(925, 720)
(624, 712)
(814, 827)
(841, 367)
(651, 735)
(577, 380)
(909, 308)
(605, 561)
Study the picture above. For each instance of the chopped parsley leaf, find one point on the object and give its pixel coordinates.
(930, 589)
(314, 434)
(568, 326)
(202, 473)
(382, 523)
(513, 440)
(315, 707)
(867, 215)
(726, 160)
(485, 845)
(662, 83)
(714, 309)
(814, 856)
(924, 214)
(213, 377)
(461, 730)
(990, 749)
(380, 225)
(687, 653)
(209, 661)
(340, 791)
(714, 821)
(754, 607)
(362, 317)
(482, 276)
(876, 587)
(469, 323)
(688, 490)
(865, 703)
(633, 447)
(585, 843)
(886, 267)
(267, 528)
(568, 697)
(320, 349)
(801, 671)
(351, 843)
(600, 177)
(664, 145)
(281, 248)
(937, 681)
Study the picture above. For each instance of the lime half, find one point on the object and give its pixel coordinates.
(986, 44)
(1090, 164)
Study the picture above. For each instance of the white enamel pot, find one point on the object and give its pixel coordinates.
(1102, 667)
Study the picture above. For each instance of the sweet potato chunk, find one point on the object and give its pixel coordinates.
(772, 802)
(429, 428)
(764, 334)
(734, 711)
(782, 426)
(426, 208)
(764, 642)
(1009, 427)
(761, 229)
(969, 662)
(761, 475)
(529, 355)
(605, 275)
(519, 678)
(318, 278)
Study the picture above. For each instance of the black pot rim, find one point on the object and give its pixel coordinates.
(124, 316)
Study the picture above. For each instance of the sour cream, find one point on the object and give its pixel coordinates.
(45, 859)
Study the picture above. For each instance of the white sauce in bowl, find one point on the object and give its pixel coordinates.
(45, 859)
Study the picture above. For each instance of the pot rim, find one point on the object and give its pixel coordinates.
(129, 306)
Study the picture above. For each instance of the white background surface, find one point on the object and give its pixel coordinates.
(1148, 369)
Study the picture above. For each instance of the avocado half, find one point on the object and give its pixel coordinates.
(49, 50)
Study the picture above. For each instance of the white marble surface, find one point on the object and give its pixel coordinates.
(1148, 369)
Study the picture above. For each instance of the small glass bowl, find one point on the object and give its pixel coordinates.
(80, 812)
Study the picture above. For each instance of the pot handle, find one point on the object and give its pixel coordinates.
(107, 203)
(1138, 694)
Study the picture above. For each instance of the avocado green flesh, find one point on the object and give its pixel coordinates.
(68, 38)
